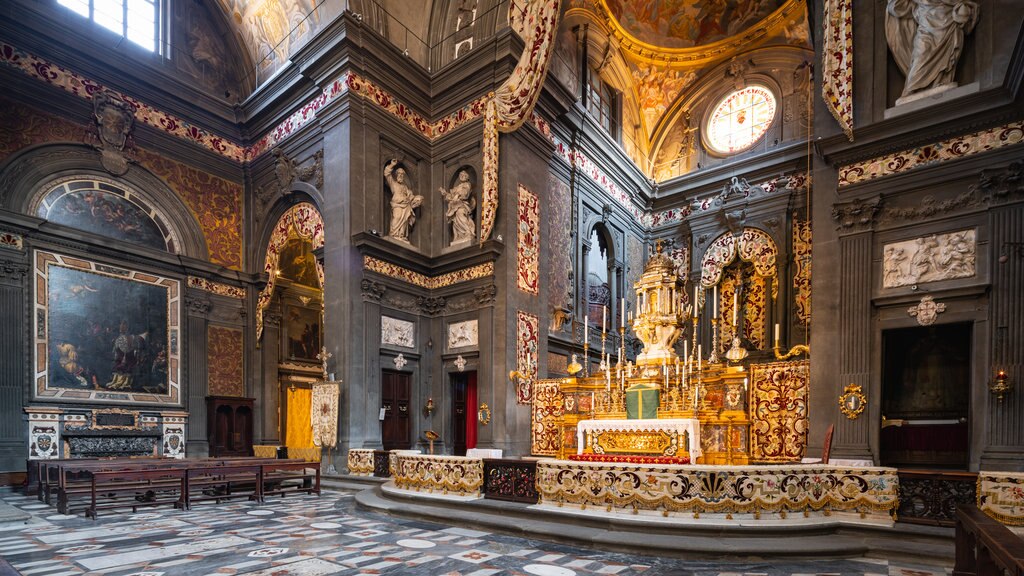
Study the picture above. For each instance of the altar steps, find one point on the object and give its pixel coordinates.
(715, 539)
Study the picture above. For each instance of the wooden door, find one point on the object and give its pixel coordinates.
(460, 385)
(394, 398)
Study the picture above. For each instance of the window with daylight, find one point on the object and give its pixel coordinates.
(740, 119)
(601, 104)
(136, 20)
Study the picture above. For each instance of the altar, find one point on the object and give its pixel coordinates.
(649, 436)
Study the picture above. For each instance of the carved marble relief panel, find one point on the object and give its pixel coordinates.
(395, 332)
(929, 259)
(462, 334)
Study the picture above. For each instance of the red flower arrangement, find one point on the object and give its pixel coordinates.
(629, 459)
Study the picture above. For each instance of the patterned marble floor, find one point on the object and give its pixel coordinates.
(314, 536)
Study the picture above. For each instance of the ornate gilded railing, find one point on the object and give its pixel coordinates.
(724, 490)
(445, 474)
(360, 462)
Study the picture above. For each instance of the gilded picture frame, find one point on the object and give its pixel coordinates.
(852, 401)
(104, 333)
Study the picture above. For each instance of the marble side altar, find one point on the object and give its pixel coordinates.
(653, 436)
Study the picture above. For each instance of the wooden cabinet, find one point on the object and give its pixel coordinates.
(229, 425)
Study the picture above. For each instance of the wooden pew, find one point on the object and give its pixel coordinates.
(76, 479)
(275, 474)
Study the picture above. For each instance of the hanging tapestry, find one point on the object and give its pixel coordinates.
(528, 245)
(526, 355)
(778, 411)
(225, 376)
(547, 411)
(802, 278)
(324, 414)
(837, 82)
(302, 221)
(511, 104)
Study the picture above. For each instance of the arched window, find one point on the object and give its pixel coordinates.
(599, 292)
(740, 119)
(136, 20)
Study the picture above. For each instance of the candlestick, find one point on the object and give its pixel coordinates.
(735, 308)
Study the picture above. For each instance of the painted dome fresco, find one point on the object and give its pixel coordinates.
(688, 23)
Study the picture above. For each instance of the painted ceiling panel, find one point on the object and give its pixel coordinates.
(688, 23)
(273, 29)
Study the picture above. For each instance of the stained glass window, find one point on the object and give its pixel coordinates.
(136, 20)
(740, 119)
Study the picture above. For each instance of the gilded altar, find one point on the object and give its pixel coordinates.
(658, 437)
(746, 408)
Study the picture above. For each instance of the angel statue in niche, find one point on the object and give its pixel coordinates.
(926, 38)
(403, 202)
(461, 204)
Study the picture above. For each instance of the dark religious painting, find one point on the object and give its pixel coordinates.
(297, 262)
(107, 332)
(303, 333)
(107, 210)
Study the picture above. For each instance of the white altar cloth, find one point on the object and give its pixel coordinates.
(678, 425)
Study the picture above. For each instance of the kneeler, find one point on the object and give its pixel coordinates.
(641, 402)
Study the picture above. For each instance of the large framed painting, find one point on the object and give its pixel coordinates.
(105, 333)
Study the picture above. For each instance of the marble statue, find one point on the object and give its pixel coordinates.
(926, 38)
(403, 202)
(459, 214)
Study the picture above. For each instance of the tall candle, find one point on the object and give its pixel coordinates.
(695, 299)
(623, 312)
(714, 301)
(735, 308)
(700, 354)
(604, 318)
(686, 350)
(776, 333)
(586, 331)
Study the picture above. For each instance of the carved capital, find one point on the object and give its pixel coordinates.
(1001, 183)
(486, 294)
(372, 290)
(431, 306)
(13, 270)
(197, 306)
(856, 214)
(272, 319)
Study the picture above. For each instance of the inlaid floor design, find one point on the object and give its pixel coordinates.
(314, 536)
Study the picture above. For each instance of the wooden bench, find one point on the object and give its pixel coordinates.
(277, 473)
(76, 480)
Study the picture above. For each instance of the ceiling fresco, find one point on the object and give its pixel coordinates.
(273, 29)
(688, 23)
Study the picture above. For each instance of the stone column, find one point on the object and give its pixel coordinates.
(14, 352)
(197, 444)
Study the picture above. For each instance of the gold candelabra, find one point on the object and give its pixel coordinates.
(793, 352)
(713, 358)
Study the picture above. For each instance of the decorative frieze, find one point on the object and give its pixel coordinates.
(422, 280)
(930, 154)
(11, 240)
(216, 287)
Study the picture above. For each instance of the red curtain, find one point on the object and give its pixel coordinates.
(471, 409)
